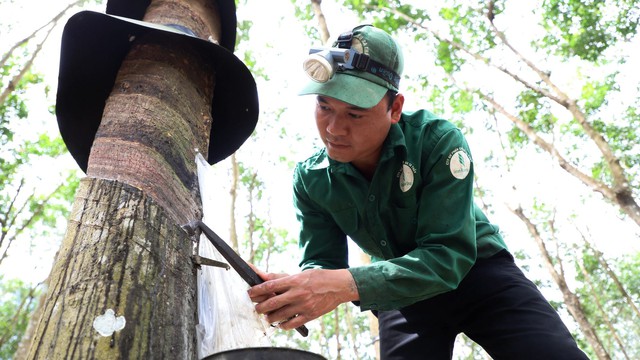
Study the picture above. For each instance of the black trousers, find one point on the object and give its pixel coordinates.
(495, 305)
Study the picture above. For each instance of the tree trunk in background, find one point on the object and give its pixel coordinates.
(235, 180)
(612, 275)
(123, 285)
(374, 329)
(597, 298)
(351, 329)
(570, 299)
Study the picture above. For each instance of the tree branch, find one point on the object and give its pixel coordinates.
(620, 193)
(603, 313)
(322, 22)
(571, 300)
(13, 83)
(605, 265)
(620, 181)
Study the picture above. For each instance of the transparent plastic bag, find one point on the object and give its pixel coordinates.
(226, 315)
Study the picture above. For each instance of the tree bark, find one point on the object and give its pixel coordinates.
(155, 120)
(124, 253)
(123, 285)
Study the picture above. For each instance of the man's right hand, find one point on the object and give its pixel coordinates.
(293, 300)
(266, 277)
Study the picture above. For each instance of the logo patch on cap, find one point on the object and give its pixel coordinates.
(459, 163)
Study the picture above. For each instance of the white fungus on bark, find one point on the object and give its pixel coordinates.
(108, 323)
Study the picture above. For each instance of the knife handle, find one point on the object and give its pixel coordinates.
(303, 330)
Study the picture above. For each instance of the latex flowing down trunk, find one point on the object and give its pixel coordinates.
(226, 316)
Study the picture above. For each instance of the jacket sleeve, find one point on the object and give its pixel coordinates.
(328, 250)
(445, 237)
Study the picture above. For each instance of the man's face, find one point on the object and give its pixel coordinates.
(353, 134)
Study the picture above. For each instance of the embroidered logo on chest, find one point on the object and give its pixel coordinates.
(405, 176)
(459, 163)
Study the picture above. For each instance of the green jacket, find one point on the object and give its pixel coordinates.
(416, 217)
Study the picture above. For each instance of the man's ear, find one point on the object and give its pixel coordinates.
(396, 108)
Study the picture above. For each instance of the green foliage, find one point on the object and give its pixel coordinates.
(29, 211)
(14, 106)
(627, 141)
(534, 109)
(248, 57)
(594, 93)
(446, 58)
(272, 242)
(600, 171)
(340, 334)
(376, 13)
(624, 138)
(462, 101)
(621, 132)
(586, 29)
(468, 26)
(578, 37)
(346, 326)
(304, 12)
(17, 303)
(605, 304)
(250, 180)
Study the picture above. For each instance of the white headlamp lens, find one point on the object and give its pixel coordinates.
(319, 66)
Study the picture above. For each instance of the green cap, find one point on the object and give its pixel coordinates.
(363, 88)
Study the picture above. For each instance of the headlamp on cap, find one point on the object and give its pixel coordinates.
(323, 63)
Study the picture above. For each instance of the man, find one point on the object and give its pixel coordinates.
(401, 186)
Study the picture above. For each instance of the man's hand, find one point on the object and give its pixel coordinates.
(293, 300)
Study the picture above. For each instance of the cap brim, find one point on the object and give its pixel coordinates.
(350, 89)
(93, 48)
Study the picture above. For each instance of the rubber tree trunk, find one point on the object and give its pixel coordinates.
(123, 284)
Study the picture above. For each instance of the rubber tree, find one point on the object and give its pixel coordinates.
(123, 282)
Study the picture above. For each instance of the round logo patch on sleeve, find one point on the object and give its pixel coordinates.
(459, 163)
